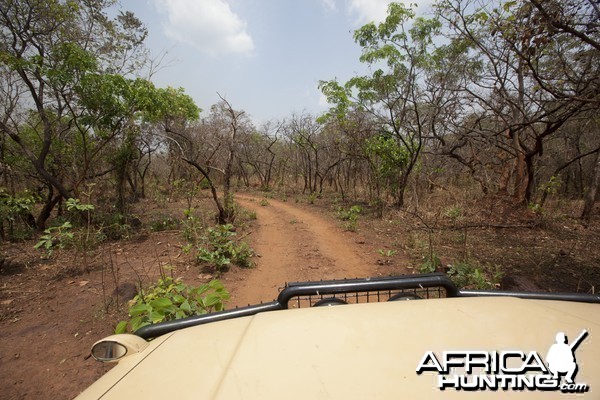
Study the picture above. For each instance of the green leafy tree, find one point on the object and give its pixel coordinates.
(399, 49)
(62, 61)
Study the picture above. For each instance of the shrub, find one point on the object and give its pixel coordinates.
(430, 264)
(350, 216)
(466, 275)
(192, 226)
(171, 299)
(219, 249)
(55, 237)
(16, 209)
(164, 223)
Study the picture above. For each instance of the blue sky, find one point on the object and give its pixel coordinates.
(265, 57)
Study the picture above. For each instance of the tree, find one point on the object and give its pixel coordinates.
(394, 96)
(53, 53)
(221, 130)
(259, 151)
(304, 131)
(514, 117)
(233, 123)
(576, 23)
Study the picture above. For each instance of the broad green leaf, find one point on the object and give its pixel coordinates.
(185, 306)
(211, 300)
(179, 299)
(138, 309)
(156, 316)
(138, 322)
(161, 303)
(121, 327)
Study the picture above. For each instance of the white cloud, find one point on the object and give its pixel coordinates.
(208, 25)
(368, 10)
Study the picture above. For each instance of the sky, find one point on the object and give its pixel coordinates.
(265, 57)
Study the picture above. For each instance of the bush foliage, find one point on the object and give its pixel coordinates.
(171, 299)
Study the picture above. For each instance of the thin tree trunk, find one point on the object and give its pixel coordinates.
(46, 211)
(590, 197)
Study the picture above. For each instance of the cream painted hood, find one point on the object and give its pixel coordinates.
(360, 351)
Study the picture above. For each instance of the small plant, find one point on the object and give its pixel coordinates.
(14, 209)
(220, 250)
(535, 207)
(171, 299)
(264, 202)
(75, 204)
(116, 231)
(163, 224)
(87, 238)
(454, 213)
(466, 275)
(387, 252)
(553, 185)
(430, 264)
(192, 226)
(244, 214)
(378, 206)
(55, 237)
(350, 216)
(312, 197)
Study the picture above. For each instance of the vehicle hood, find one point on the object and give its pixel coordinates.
(366, 351)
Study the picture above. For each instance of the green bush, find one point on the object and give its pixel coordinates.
(468, 276)
(55, 237)
(350, 217)
(114, 226)
(16, 210)
(430, 264)
(164, 223)
(192, 225)
(220, 250)
(171, 299)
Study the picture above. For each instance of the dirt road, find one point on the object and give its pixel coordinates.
(294, 244)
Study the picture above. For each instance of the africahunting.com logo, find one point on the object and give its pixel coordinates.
(508, 370)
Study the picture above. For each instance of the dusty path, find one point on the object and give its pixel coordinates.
(294, 244)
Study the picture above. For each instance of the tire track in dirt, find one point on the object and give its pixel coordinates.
(293, 244)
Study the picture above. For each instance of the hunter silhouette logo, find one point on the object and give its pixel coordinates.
(508, 370)
(561, 356)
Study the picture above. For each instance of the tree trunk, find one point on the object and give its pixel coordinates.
(401, 189)
(590, 197)
(46, 211)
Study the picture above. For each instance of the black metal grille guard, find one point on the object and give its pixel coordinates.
(295, 294)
